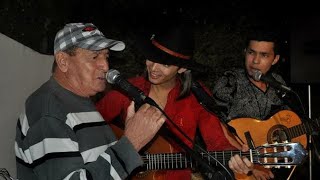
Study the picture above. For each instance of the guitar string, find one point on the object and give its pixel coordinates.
(179, 160)
(223, 155)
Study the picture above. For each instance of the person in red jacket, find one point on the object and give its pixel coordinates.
(167, 81)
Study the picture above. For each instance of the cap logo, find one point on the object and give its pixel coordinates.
(89, 28)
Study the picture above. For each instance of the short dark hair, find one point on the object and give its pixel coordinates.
(70, 51)
(265, 34)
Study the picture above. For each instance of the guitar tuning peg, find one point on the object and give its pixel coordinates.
(275, 159)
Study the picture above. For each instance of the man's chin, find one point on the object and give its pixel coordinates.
(250, 73)
(101, 88)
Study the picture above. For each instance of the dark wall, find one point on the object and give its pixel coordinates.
(305, 50)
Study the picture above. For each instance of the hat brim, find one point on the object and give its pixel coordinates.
(152, 53)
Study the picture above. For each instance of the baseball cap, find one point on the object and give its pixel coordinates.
(86, 36)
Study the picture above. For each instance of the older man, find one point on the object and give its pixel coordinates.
(61, 135)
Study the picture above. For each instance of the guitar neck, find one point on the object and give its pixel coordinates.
(182, 161)
(300, 129)
(282, 154)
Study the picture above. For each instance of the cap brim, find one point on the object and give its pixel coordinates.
(102, 43)
(117, 45)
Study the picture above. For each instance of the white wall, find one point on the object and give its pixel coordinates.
(22, 70)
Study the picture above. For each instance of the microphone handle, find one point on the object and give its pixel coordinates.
(273, 82)
(136, 94)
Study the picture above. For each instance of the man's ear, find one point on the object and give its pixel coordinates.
(181, 70)
(61, 59)
(276, 59)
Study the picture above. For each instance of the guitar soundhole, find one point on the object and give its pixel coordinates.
(277, 134)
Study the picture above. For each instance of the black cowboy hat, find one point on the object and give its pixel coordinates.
(172, 46)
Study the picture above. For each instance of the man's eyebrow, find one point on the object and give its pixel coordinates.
(250, 49)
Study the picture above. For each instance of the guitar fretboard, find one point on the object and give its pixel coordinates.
(280, 154)
(182, 161)
(301, 129)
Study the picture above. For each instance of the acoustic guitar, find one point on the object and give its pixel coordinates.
(284, 126)
(156, 164)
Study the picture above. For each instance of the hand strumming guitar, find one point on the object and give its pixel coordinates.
(141, 126)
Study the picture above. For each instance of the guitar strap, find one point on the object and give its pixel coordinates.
(208, 103)
(205, 99)
(198, 140)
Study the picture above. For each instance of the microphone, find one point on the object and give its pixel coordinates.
(113, 77)
(258, 76)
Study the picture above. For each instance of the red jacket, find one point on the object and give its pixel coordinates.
(187, 113)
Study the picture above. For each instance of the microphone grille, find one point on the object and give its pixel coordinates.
(111, 75)
(257, 75)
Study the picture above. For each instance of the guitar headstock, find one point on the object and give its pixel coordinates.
(280, 154)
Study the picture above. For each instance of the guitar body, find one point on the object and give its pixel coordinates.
(157, 146)
(270, 130)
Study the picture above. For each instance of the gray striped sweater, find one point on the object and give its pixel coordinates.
(62, 136)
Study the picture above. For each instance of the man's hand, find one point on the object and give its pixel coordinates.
(240, 165)
(140, 127)
(261, 173)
